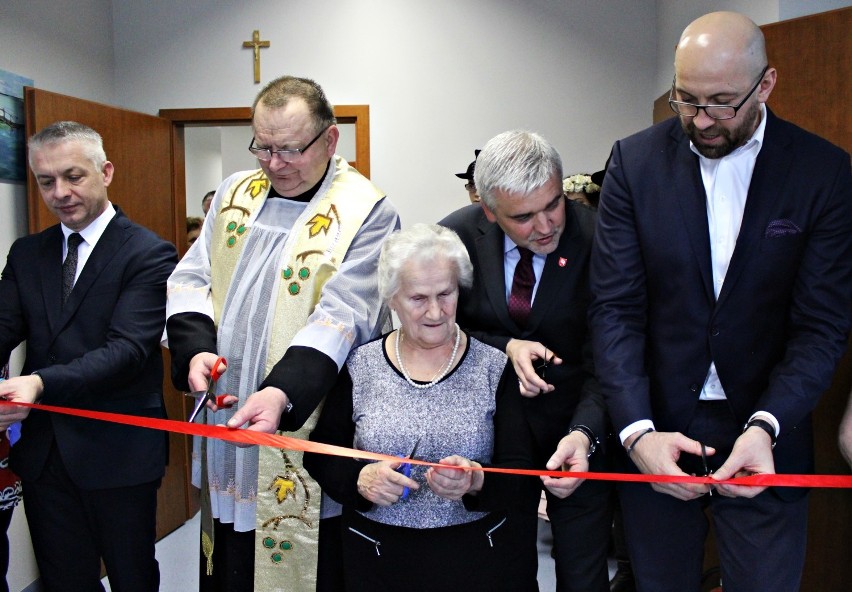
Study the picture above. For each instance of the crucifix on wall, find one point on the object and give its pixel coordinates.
(256, 44)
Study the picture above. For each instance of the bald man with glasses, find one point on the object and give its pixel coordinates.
(721, 276)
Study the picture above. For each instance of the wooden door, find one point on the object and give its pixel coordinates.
(139, 146)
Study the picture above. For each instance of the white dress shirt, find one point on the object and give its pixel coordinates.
(511, 256)
(91, 235)
(726, 182)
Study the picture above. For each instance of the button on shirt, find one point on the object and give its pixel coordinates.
(726, 182)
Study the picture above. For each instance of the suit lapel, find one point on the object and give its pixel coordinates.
(770, 170)
(692, 200)
(108, 245)
(489, 260)
(50, 271)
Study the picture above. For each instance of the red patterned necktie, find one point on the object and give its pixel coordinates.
(520, 298)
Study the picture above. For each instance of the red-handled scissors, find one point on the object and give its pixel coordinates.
(219, 367)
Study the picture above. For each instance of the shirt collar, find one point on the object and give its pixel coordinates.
(509, 245)
(92, 233)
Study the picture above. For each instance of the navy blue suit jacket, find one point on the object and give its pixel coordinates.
(782, 318)
(558, 319)
(100, 351)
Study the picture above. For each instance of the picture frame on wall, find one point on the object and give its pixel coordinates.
(13, 164)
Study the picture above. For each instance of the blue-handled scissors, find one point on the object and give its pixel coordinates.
(405, 468)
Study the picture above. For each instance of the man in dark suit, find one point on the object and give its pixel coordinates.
(92, 322)
(524, 215)
(721, 281)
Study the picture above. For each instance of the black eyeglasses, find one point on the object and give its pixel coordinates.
(712, 111)
(288, 155)
(470, 186)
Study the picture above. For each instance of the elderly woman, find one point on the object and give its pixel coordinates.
(433, 392)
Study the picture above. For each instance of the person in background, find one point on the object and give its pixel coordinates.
(582, 188)
(88, 296)
(282, 284)
(722, 302)
(470, 185)
(207, 200)
(530, 250)
(429, 390)
(193, 229)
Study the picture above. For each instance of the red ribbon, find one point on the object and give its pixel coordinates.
(248, 437)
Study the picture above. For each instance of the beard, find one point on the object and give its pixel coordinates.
(733, 137)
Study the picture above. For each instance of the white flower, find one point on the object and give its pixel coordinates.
(579, 184)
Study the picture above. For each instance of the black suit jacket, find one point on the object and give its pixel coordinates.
(782, 318)
(558, 319)
(100, 351)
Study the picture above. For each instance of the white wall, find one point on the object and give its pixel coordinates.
(203, 165)
(65, 47)
(441, 77)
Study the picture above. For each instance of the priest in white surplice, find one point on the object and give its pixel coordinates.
(282, 284)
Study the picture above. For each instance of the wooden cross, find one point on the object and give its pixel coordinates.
(256, 44)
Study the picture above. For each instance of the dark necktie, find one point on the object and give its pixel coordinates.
(520, 298)
(69, 266)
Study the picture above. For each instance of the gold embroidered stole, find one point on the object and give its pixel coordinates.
(288, 499)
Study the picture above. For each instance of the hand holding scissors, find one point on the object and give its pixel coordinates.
(209, 395)
(405, 468)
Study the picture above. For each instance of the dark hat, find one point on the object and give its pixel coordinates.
(468, 174)
(597, 178)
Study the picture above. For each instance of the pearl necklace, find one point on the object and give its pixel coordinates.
(440, 375)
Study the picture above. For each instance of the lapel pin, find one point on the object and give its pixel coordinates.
(563, 262)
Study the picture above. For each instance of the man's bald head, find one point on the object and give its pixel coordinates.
(721, 61)
(721, 42)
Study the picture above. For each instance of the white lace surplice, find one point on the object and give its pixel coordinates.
(243, 337)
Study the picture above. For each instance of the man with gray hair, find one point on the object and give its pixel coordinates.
(89, 297)
(530, 251)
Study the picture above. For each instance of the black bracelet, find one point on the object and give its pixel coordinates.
(763, 425)
(639, 437)
(587, 432)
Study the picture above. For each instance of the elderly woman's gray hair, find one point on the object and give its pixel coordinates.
(516, 161)
(421, 243)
